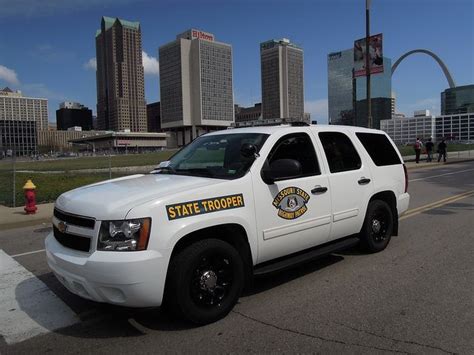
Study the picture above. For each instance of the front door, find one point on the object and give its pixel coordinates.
(295, 213)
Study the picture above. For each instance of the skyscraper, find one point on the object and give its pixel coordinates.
(347, 99)
(120, 79)
(282, 79)
(195, 85)
(340, 87)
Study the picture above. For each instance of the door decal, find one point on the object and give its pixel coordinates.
(291, 202)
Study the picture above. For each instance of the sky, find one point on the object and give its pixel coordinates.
(47, 47)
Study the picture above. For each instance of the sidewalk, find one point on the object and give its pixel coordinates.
(16, 217)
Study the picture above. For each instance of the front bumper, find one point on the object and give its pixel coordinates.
(133, 279)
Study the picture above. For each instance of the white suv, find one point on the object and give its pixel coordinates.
(230, 205)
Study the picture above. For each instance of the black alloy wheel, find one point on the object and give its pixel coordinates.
(378, 226)
(205, 280)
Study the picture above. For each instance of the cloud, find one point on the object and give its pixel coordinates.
(318, 109)
(8, 75)
(91, 64)
(150, 64)
(41, 91)
(49, 54)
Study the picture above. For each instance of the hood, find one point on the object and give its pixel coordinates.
(113, 199)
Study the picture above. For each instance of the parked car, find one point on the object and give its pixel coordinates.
(230, 205)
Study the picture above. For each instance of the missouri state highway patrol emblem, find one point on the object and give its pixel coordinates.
(291, 202)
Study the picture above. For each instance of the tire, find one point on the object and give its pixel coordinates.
(378, 227)
(205, 281)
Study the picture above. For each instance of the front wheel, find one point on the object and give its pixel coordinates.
(378, 226)
(205, 280)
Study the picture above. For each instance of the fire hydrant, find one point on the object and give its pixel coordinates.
(30, 197)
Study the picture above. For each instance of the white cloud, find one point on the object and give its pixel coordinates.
(8, 75)
(150, 64)
(318, 110)
(41, 91)
(91, 64)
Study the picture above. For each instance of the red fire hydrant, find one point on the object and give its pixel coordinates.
(30, 197)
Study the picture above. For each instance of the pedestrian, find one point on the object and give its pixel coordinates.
(417, 146)
(442, 149)
(429, 150)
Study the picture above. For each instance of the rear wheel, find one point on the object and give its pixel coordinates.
(378, 226)
(205, 280)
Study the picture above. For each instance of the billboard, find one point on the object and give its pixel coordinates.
(375, 55)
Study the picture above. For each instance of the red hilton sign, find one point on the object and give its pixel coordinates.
(202, 35)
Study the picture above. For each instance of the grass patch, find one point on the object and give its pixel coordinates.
(408, 150)
(68, 164)
(48, 186)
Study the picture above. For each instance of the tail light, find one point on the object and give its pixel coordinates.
(406, 177)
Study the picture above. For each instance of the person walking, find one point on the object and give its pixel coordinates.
(429, 150)
(442, 149)
(417, 146)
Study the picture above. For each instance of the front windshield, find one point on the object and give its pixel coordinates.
(215, 156)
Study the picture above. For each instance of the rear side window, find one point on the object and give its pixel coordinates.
(340, 152)
(379, 148)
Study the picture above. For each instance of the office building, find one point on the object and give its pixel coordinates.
(341, 110)
(125, 142)
(120, 79)
(73, 114)
(58, 141)
(393, 103)
(20, 119)
(153, 117)
(347, 98)
(282, 80)
(196, 94)
(459, 99)
(458, 128)
(381, 96)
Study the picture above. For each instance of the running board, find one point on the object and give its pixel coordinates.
(304, 256)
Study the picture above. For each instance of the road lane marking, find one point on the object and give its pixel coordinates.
(434, 176)
(436, 204)
(27, 306)
(28, 253)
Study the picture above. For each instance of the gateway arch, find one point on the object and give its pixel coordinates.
(443, 66)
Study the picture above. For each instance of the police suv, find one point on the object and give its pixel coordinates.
(230, 205)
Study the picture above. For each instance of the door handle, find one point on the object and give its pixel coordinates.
(319, 189)
(363, 181)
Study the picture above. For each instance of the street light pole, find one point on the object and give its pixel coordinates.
(367, 61)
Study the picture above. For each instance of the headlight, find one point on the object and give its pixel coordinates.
(124, 235)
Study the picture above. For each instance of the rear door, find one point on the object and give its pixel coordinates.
(350, 181)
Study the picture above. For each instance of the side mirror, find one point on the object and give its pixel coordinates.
(281, 169)
(248, 150)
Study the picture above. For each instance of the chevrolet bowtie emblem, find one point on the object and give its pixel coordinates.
(62, 226)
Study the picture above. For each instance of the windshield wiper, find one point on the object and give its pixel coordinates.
(163, 169)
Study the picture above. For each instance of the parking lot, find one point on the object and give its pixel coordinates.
(414, 297)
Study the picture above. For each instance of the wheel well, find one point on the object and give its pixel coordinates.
(231, 233)
(390, 199)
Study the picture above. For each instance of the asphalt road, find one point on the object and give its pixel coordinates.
(415, 297)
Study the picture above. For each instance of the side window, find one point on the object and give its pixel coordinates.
(297, 146)
(340, 152)
(379, 148)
